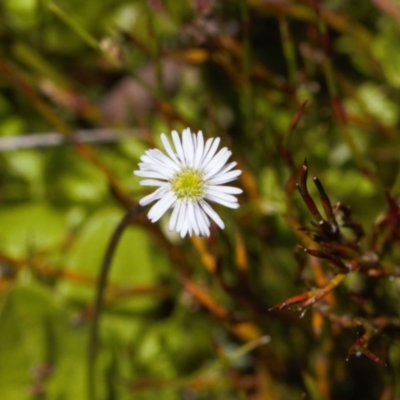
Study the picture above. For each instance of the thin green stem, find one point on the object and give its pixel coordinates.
(98, 303)
(328, 70)
(82, 33)
(288, 50)
(152, 28)
(247, 95)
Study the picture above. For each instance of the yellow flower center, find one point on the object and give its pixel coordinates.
(188, 184)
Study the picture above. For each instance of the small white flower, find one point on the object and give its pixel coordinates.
(186, 177)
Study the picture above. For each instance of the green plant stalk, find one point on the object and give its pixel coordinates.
(39, 64)
(247, 97)
(288, 50)
(42, 17)
(333, 94)
(152, 26)
(85, 36)
(327, 62)
(82, 33)
(98, 302)
(159, 72)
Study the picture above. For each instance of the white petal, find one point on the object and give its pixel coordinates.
(228, 167)
(225, 189)
(154, 163)
(202, 220)
(223, 178)
(178, 146)
(187, 143)
(208, 156)
(199, 149)
(217, 162)
(160, 158)
(220, 195)
(150, 174)
(181, 217)
(161, 169)
(162, 205)
(146, 159)
(153, 196)
(226, 203)
(153, 182)
(207, 148)
(212, 214)
(194, 137)
(184, 230)
(192, 219)
(168, 148)
(174, 216)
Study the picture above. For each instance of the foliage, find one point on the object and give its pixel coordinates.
(272, 307)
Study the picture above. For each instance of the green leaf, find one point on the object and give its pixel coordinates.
(71, 179)
(30, 324)
(28, 227)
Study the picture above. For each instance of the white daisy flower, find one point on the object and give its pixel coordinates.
(186, 178)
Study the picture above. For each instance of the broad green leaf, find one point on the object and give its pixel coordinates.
(30, 227)
(72, 179)
(30, 331)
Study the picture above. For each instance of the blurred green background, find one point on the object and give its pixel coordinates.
(86, 87)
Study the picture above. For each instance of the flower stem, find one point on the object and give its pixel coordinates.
(98, 303)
